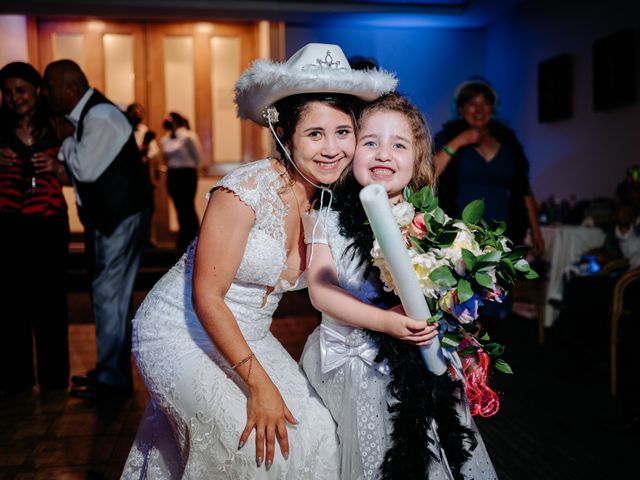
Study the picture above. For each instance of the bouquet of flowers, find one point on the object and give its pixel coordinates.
(460, 264)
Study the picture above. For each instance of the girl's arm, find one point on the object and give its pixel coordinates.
(222, 241)
(328, 297)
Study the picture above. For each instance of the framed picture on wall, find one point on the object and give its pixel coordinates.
(614, 70)
(555, 78)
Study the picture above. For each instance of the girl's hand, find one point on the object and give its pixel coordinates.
(267, 413)
(7, 157)
(416, 332)
(43, 162)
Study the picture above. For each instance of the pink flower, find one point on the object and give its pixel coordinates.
(418, 226)
(496, 295)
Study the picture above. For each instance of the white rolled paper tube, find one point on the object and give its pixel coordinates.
(378, 209)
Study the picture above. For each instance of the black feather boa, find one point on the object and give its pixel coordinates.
(421, 397)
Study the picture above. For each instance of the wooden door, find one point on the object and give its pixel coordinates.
(189, 67)
(112, 56)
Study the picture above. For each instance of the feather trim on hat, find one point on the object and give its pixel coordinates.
(266, 82)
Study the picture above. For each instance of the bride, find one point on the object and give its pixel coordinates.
(227, 401)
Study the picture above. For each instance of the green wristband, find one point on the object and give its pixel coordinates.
(450, 151)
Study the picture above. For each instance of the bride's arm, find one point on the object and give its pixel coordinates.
(328, 297)
(221, 244)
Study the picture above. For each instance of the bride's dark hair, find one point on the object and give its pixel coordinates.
(291, 109)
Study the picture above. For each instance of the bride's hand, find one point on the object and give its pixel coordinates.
(267, 413)
(403, 328)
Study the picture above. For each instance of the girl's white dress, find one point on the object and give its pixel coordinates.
(198, 407)
(339, 362)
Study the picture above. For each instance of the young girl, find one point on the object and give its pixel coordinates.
(341, 358)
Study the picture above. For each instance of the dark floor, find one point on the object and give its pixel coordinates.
(548, 427)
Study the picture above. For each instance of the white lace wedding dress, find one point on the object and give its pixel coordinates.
(339, 362)
(192, 424)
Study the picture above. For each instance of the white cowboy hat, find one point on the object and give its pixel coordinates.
(315, 68)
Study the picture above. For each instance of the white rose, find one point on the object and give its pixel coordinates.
(423, 265)
(403, 212)
(465, 239)
(380, 262)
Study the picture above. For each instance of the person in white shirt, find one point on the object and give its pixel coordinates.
(114, 199)
(183, 155)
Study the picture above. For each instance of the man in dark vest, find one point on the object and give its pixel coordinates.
(114, 199)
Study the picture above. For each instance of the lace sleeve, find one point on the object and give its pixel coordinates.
(244, 185)
(257, 185)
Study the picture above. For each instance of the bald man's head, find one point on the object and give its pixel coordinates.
(66, 84)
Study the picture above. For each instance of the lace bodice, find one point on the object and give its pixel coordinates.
(258, 285)
(257, 185)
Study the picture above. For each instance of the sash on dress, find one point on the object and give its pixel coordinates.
(336, 350)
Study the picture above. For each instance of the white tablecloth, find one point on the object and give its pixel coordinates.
(564, 245)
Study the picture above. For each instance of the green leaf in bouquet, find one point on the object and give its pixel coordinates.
(469, 259)
(502, 278)
(522, 265)
(435, 318)
(484, 280)
(417, 244)
(531, 275)
(446, 237)
(451, 339)
(407, 192)
(438, 215)
(443, 276)
(424, 200)
(421, 198)
(485, 337)
(433, 226)
(486, 267)
(509, 268)
(489, 257)
(502, 366)
(494, 349)
(472, 213)
(518, 252)
(432, 303)
(499, 228)
(465, 292)
(468, 351)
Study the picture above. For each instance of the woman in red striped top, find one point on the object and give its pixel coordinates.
(34, 236)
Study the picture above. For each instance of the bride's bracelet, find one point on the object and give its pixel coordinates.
(248, 358)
